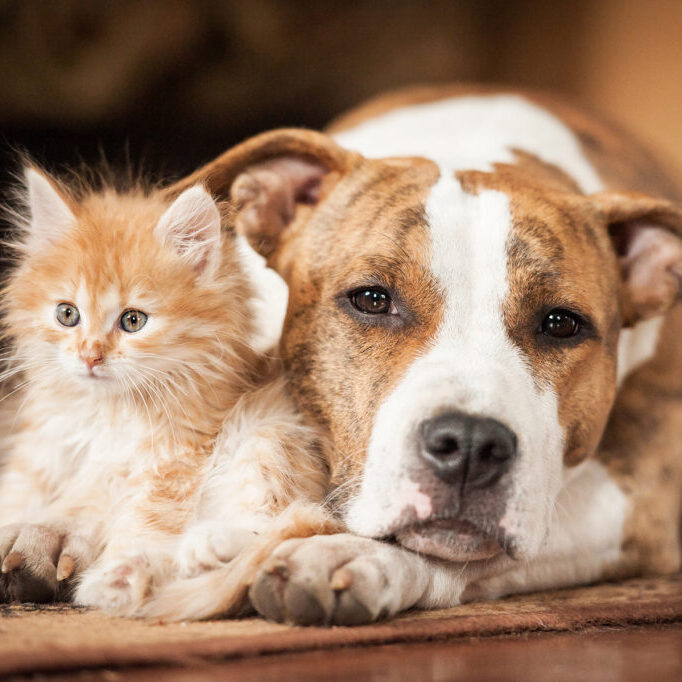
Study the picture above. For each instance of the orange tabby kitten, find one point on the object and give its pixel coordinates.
(136, 447)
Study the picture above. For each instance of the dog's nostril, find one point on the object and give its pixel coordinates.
(441, 437)
(444, 445)
(492, 451)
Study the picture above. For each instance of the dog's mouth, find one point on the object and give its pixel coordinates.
(450, 539)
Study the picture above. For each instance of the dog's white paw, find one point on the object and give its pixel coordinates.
(209, 544)
(118, 585)
(336, 580)
(39, 562)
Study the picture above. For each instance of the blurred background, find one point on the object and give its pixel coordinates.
(172, 83)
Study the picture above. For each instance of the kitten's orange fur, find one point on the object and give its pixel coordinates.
(129, 457)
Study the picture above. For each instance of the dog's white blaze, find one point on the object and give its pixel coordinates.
(472, 133)
(472, 367)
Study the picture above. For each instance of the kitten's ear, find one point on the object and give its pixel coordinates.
(191, 225)
(50, 214)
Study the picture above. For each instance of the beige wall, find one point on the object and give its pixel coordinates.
(212, 72)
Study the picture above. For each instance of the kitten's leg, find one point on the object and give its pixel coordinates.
(264, 459)
(140, 545)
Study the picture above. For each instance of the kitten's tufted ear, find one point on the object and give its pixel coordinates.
(646, 233)
(191, 225)
(50, 214)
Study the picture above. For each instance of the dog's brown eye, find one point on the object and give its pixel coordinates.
(561, 324)
(374, 301)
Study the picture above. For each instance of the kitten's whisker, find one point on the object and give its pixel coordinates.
(162, 403)
(162, 384)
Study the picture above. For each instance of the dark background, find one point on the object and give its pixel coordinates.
(172, 83)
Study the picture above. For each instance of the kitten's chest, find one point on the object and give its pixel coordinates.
(87, 448)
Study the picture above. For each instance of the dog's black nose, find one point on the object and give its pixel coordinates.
(475, 451)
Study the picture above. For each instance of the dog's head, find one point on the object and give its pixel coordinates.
(456, 333)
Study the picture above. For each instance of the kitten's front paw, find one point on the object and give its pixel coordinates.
(208, 545)
(119, 585)
(38, 563)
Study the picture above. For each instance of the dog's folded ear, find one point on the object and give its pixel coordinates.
(268, 176)
(646, 233)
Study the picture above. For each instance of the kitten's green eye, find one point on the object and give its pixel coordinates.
(68, 315)
(133, 321)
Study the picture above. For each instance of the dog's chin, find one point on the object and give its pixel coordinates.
(449, 540)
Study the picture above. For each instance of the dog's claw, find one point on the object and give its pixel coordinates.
(341, 579)
(275, 566)
(65, 567)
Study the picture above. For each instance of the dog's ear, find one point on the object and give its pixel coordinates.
(646, 233)
(267, 177)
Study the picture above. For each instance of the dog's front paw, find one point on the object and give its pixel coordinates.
(208, 544)
(39, 563)
(336, 580)
(117, 585)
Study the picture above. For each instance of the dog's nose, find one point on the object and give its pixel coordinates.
(474, 451)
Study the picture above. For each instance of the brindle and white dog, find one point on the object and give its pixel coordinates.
(481, 316)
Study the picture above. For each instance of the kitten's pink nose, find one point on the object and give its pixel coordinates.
(92, 360)
(92, 356)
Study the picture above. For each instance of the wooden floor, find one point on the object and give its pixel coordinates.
(608, 655)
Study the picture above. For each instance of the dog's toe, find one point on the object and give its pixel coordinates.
(351, 611)
(267, 592)
(302, 606)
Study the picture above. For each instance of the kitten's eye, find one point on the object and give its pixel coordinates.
(67, 314)
(561, 324)
(133, 321)
(372, 301)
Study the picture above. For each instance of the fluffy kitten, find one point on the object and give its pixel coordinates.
(138, 443)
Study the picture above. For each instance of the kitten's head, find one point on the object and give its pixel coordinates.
(116, 292)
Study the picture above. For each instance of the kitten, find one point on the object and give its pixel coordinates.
(143, 436)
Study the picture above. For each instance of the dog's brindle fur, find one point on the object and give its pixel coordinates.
(330, 220)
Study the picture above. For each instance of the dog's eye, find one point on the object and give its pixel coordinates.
(561, 324)
(133, 320)
(372, 301)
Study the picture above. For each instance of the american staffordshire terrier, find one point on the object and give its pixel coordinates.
(481, 316)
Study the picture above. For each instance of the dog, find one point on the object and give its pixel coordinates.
(482, 316)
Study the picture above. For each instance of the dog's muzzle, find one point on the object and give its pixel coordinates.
(463, 459)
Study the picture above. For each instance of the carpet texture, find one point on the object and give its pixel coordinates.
(37, 638)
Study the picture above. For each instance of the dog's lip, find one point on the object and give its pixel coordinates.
(452, 539)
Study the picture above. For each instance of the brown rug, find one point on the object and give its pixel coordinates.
(40, 638)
